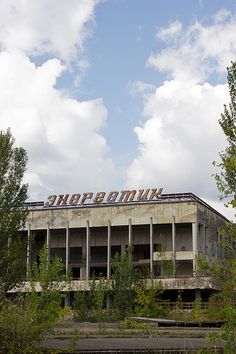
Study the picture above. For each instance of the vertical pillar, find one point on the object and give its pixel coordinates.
(130, 233)
(9, 244)
(108, 297)
(9, 241)
(173, 246)
(151, 247)
(198, 295)
(109, 250)
(67, 297)
(195, 247)
(87, 251)
(67, 247)
(28, 251)
(48, 241)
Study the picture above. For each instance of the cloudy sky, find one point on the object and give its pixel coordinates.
(112, 94)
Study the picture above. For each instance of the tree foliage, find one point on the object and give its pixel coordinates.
(146, 299)
(89, 306)
(224, 270)
(26, 318)
(50, 276)
(226, 180)
(124, 280)
(13, 193)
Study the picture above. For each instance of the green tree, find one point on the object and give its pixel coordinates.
(226, 179)
(89, 306)
(124, 279)
(13, 194)
(49, 277)
(81, 306)
(225, 270)
(147, 295)
(26, 318)
(98, 296)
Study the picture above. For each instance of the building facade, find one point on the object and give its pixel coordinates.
(168, 234)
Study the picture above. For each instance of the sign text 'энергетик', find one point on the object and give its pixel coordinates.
(125, 196)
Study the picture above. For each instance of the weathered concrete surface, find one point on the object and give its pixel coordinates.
(117, 214)
(86, 336)
(142, 343)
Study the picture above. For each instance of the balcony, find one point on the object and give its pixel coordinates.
(168, 256)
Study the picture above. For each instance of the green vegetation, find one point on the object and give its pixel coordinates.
(89, 306)
(226, 182)
(124, 281)
(26, 316)
(129, 294)
(25, 319)
(224, 271)
(146, 300)
(13, 193)
(226, 179)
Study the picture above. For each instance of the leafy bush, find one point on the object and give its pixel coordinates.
(146, 296)
(129, 324)
(25, 319)
(19, 328)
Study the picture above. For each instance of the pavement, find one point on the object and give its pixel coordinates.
(123, 344)
(72, 337)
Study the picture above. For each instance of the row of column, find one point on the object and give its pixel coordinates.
(194, 243)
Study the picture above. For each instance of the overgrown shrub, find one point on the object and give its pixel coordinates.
(25, 319)
(19, 328)
(146, 301)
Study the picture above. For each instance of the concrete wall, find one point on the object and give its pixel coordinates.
(208, 240)
(98, 216)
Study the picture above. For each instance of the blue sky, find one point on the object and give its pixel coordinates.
(115, 94)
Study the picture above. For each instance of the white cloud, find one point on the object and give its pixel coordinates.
(38, 27)
(170, 32)
(198, 51)
(137, 87)
(66, 151)
(181, 136)
(222, 15)
(180, 139)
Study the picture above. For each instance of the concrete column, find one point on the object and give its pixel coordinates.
(108, 296)
(204, 240)
(108, 301)
(9, 239)
(109, 250)
(28, 260)
(67, 300)
(151, 246)
(48, 240)
(87, 251)
(130, 233)
(195, 247)
(173, 246)
(198, 295)
(123, 248)
(67, 247)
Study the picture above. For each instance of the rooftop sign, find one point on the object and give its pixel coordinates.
(125, 196)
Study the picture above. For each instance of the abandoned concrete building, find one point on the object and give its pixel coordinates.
(168, 233)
